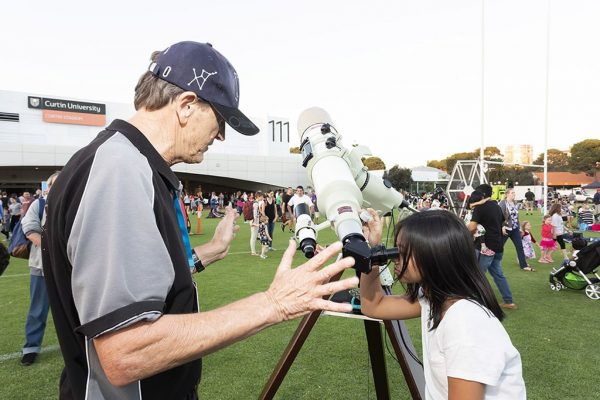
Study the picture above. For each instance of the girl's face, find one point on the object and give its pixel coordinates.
(527, 226)
(547, 220)
(411, 275)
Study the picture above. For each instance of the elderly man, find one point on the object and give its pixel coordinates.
(119, 282)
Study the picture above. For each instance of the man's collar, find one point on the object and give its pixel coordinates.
(142, 143)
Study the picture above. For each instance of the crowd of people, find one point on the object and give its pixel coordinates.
(26, 212)
(493, 223)
(257, 208)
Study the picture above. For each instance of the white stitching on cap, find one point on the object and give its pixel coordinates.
(204, 76)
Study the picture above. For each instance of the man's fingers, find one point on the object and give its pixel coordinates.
(336, 267)
(288, 256)
(319, 259)
(327, 305)
(333, 287)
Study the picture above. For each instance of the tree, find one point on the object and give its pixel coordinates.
(451, 161)
(373, 163)
(558, 160)
(439, 164)
(400, 178)
(511, 174)
(585, 157)
(490, 153)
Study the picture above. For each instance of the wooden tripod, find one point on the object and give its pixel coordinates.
(396, 330)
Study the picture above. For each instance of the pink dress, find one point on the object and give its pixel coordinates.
(547, 243)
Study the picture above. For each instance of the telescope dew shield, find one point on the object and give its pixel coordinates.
(338, 196)
(305, 231)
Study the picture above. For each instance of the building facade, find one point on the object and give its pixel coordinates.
(39, 134)
(427, 179)
(519, 154)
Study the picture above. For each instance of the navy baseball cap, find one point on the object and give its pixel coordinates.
(199, 68)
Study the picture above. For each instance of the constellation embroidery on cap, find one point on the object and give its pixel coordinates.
(237, 87)
(204, 76)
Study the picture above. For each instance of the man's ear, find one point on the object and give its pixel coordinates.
(183, 106)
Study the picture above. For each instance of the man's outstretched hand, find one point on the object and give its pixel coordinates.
(298, 291)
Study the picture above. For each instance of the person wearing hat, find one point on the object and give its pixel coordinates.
(122, 296)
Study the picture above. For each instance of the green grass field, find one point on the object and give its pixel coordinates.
(556, 333)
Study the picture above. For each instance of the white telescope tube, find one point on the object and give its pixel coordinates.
(338, 196)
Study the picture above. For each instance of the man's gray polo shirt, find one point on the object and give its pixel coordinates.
(113, 256)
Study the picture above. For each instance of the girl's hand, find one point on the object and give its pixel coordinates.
(373, 228)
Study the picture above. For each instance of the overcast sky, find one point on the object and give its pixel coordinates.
(402, 77)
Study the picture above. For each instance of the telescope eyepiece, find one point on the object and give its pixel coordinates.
(308, 246)
(380, 255)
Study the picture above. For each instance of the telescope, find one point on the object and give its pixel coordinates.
(344, 186)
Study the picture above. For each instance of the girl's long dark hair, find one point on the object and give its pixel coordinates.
(442, 250)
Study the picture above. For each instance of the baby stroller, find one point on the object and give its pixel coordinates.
(574, 274)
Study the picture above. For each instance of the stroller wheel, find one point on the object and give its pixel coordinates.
(593, 291)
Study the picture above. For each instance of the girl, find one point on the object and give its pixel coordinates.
(467, 353)
(558, 228)
(263, 236)
(547, 244)
(527, 239)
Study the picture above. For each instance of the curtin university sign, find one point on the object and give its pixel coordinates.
(44, 103)
(69, 111)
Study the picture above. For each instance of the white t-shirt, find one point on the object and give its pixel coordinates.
(470, 343)
(295, 200)
(557, 224)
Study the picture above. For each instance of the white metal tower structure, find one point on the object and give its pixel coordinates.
(466, 175)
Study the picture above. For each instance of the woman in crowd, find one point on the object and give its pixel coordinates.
(269, 209)
(512, 228)
(558, 228)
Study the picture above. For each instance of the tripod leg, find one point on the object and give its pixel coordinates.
(292, 350)
(412, 371)
(377, 356)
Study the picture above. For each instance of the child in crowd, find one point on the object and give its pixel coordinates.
(585, 218)
(467, 352)
(263, 236)
(528, 240)
(547, 243)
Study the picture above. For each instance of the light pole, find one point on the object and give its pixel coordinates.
(545, 190)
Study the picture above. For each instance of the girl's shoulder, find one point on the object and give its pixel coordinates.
(465, 317)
